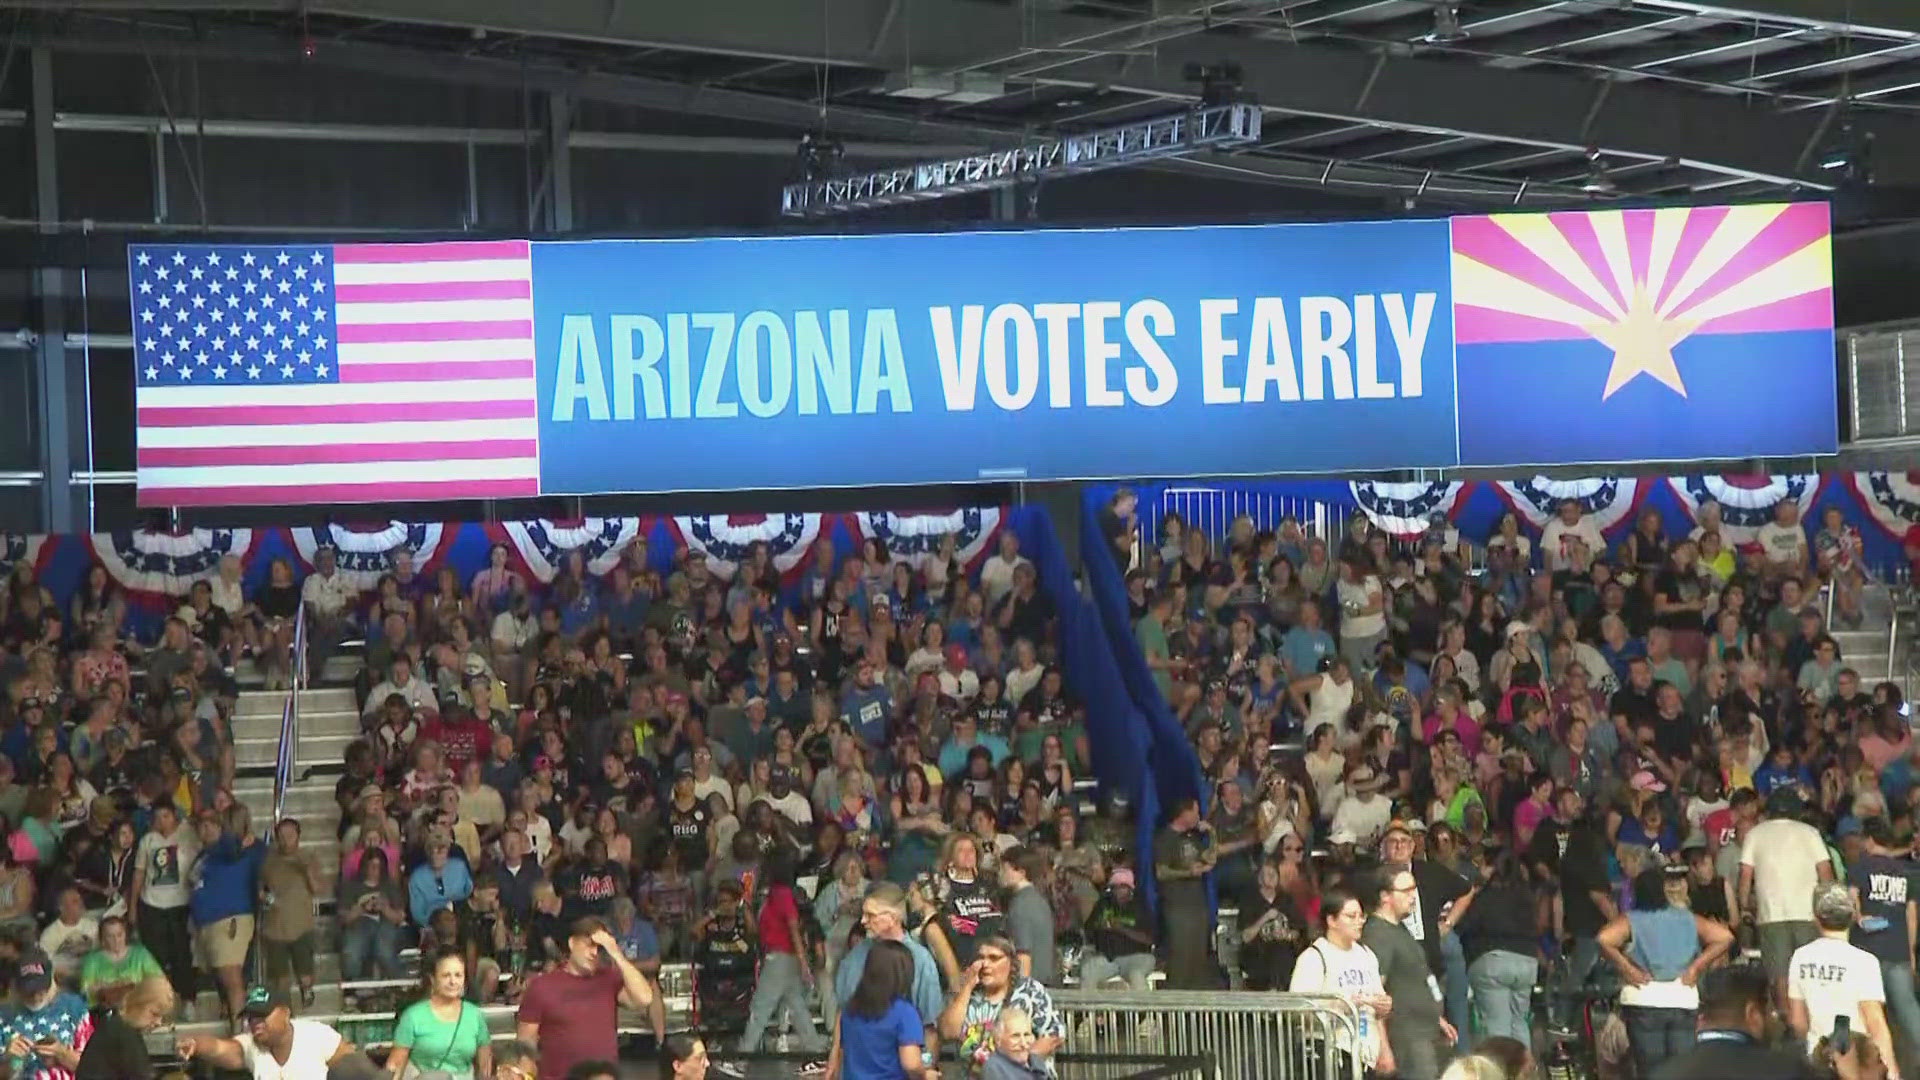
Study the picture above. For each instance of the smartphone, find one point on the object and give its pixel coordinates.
(1842, 1038)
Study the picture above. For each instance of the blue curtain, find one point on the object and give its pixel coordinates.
(1173, 767)
(1117, 734)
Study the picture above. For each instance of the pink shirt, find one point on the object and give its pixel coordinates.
(1879, 752)
(1463, 726)
(1526, 818)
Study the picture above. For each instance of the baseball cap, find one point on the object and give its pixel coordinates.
(1122, 876)
(262, 1001)
(33, 973)
(1644, 780)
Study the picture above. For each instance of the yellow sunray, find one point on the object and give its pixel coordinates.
(1477, 284)
(1537, 233)
(1729, 238)
(1806, 270)
(1669, 223)
(1610, 229)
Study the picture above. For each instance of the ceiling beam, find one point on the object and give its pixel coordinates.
(1545, 108)
(851, 123)
(1895, 17)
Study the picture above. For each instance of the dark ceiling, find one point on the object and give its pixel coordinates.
(1532, 102)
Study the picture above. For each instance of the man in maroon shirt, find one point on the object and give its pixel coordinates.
(462, 736)
(570, 1013)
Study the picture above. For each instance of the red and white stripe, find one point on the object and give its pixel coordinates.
(435, 396)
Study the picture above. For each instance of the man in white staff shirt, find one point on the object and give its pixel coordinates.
(1829, 978)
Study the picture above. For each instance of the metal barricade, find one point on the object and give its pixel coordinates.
(1247, 1035)
(1212, 510)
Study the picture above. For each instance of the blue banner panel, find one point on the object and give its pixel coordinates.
(840, 361)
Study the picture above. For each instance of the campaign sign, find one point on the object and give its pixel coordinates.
(492, 369)
(839, 361)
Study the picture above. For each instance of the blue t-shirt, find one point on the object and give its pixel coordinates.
(229, 880)
(866, 712)
(1302, 649)
(872, 1047)
(60, 1021)
(640, 943)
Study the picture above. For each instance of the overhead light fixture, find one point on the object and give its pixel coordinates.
(1219, 83)
(1598, 182)
(966, 88)
(1446, 25)
(1848, 154)
(819, 156)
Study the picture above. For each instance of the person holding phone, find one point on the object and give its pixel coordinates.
(48, 1028)
(1828, 979)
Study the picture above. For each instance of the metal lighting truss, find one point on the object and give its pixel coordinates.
(1128, 144)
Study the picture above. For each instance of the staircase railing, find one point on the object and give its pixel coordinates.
(290, 713)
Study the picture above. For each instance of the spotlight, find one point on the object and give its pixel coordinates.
(1446, 25)
(819, 155)
(1597, 181)
(1849, 154)
(1219, 83)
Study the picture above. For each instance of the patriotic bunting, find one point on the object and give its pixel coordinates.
(1746, 502)
(915, 537)
(1610, 500)
(167, 563)
(1892, 499)
(725, 538)
(364, 552)
(1404, 510)
(544, 544)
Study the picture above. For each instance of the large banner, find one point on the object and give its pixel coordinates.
(329, 373)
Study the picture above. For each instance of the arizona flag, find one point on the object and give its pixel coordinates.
(1645, 335)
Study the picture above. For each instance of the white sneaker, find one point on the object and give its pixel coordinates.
(727, 1068)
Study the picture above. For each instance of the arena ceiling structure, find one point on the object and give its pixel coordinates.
(1531, 103)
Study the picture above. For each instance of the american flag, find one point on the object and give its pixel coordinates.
(301, 373)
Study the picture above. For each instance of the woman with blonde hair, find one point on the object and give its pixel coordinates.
(118, 1046)
(1474, 1067)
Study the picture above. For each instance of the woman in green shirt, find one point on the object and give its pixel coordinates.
(444, 1034)
(116, 966)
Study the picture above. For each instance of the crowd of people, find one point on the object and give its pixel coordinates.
(556, 788)
(1479, 785)
(1442, 774)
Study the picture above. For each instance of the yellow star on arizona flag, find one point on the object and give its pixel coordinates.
(1642, 342)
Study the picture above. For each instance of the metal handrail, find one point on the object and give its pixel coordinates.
(1893, 639)
(290, 713)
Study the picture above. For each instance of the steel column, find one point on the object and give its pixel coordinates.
(560, 161)
(50, 385)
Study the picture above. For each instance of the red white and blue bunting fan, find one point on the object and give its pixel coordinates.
(1746, 502)
(1891, 498)
(913, 538)
(1404, 510)
(364, 552)
(1609, 500)
(725, 538)
(17, 548)
(167, 563)
(544, 544)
